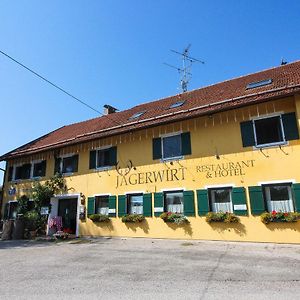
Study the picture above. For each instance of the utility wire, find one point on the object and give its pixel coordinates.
(58, 87)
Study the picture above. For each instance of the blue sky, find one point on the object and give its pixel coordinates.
(113, 52)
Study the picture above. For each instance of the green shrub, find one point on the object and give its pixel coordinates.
(32, 220)
(170, 217)
(225, 217)
(99, 218)
(274, 216)
(133, 218)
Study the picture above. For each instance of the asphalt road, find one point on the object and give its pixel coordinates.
(148, 269)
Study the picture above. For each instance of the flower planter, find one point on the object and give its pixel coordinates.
(175, 218)
(99, 218)
(279, 217)
(222, 217)
(132, 218)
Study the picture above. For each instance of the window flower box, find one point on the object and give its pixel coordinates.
(99, 218)
(278, 217)
(133, 218)
(224, 217)
(176, 218)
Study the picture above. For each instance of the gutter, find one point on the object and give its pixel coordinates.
(53, 145)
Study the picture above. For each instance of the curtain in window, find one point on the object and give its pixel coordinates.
(136, 204)
(174, 202)
(279, 198)
(103, 210)
(221, 200)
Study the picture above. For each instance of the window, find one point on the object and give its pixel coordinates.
(257, 84)
(220, 200)
(279, 197)
(103, 158)
(172, 146)
(102, 205)
(135, 204)
(136, 115)
(268, 131)
(39, 169)
(176, 104)
(66, 165)
(174, 202)
(22, 172)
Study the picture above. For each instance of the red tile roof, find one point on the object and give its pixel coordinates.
(217, 97)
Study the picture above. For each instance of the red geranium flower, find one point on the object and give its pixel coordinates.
(286, 214)
(274, 212)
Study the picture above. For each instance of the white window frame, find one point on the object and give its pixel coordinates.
(133, 194)
(166, 135)
(172, 191)
(284, 142)
(61, 164)
(212, 196)
(104, 167)
(102, 195)
(33, 162)
(267, 193)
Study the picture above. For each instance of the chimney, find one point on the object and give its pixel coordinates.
(109, 109)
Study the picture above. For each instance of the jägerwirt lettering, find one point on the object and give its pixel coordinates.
(225, 169)
(152, 177)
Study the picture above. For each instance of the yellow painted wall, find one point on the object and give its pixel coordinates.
(210, 136)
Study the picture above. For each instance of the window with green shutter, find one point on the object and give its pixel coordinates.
(239, 201)
(112, 201)
(186, 148)
(290, 126)
(247, 133)
(256, 200)
(91, 206)
(103, 158)
(10, 174)
(296, 190)
(92, 163)
(121, 205)
(158, 204)
(156, 148)
(147, 205)
(203, 203)
(189, 203)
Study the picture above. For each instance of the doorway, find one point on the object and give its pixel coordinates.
(67, 210)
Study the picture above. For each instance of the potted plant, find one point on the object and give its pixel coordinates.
(278, 217)
(170, 217)
(99, 218)
(133, 218)
(225, 217)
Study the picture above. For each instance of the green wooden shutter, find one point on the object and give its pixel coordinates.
(189, 203)
(296, 189)
(113, 156)
(75, 162)
(91, 206)
(203, 204)
(186, 148)
(239, 201)
(57, 165)
(43, 168)
(10, 173)
(158, 204)
(247, 133)
(147, 205)
(156, 148)
(112, 205)
(121, 205)
(26, 169)
(92, 164)
(256, 200)
(290, 126)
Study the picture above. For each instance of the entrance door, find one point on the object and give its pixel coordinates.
(67, 210)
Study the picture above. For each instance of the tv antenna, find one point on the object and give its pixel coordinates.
(185, 71)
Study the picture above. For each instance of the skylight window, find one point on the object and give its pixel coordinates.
(176, 104)
(136, 115)
(256, 84)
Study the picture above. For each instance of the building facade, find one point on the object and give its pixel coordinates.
(231, 147)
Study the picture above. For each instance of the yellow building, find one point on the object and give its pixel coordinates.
(232, 148)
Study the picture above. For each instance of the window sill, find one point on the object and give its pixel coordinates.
(107, 168)
(67, 174)
(271, 145)
(172, 158)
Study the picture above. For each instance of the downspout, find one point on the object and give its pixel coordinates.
(2, 192)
